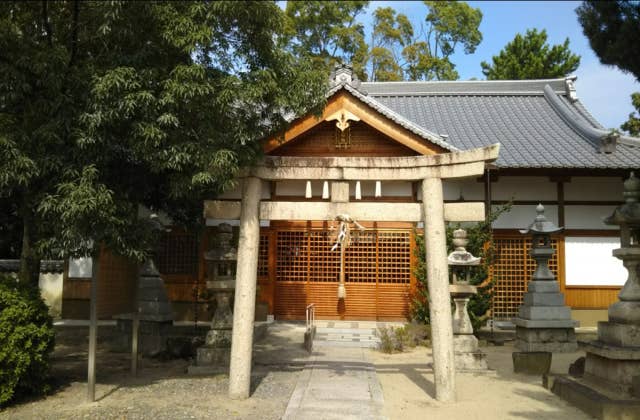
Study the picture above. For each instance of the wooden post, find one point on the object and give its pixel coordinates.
(435, 238)
(93, 328)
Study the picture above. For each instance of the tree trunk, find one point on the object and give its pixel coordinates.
(29, 262)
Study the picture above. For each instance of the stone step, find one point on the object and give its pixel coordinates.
(324, 330)
(360, 344)
(347, 338)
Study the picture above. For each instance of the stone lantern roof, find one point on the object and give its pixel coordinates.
(540, 225)
(629, 212)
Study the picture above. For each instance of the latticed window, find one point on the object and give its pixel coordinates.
(373, 256)
(177, 253)
(512, 271)
(263, 255)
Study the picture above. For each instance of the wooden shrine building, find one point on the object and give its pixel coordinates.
(552, 151)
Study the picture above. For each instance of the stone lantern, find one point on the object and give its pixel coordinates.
(221, 266)
(544, 323)
(466, 352)
(613, 359)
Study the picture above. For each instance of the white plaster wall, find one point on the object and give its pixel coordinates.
(524, 188)
(588, 262)
(80, 267)
(593, 189)
(521, 216)
(587, 217)
(51, 291)
(468, 188)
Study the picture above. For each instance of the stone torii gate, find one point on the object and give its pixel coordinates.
(430, 170)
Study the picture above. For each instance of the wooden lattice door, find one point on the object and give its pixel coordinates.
(377, 271)
(512, 270)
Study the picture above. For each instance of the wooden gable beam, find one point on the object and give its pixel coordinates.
(344, 101)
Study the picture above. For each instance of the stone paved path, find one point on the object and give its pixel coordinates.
(337, 383)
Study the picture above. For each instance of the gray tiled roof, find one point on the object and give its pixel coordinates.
(516, 114)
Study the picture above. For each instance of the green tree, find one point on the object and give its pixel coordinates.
(327, 31)
(109, 106)
(399, 53)
(530, 57)
(613, 30)
(632, 125)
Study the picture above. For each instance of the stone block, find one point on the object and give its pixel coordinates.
(591, 401)
(615, 374)
(208, 355)
(544, 312)
(154, 307)
(466, 343)
(531, 363)
(612, 352)
(553, 347)
(218, 338)
(543, 299)
(471, 361)
(544, 287)
(546, 335)
(623, 335)
(545, 323)
(625, 312)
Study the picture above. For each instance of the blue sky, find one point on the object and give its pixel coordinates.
(603, 89)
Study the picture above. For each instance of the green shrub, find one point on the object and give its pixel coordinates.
(26, 340)
(401, 338)
(386, 339)
(480, 245)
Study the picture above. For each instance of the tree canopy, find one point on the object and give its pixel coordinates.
(613, 30)
(328, 32)
(531, 57)
(399, 52)
(109, 106)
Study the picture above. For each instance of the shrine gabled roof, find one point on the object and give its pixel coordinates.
(539, 123)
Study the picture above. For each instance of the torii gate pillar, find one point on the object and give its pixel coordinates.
(245, 297)
(435, 237)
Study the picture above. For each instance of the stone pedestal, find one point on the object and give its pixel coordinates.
(614, 358)
(154, 311)
(465, 345)
(544, 323)
(217, 347)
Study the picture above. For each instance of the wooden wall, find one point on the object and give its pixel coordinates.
(365, 141)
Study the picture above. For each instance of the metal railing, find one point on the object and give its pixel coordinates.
(311, 316)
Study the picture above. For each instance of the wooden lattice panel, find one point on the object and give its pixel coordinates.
(394, 257)
(292, 256)
(324, 264)
(361, 258)
(307, 272)
(511, 272)
(263, 255)
(177, 253)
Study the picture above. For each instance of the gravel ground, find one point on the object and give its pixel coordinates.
(163, 389)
